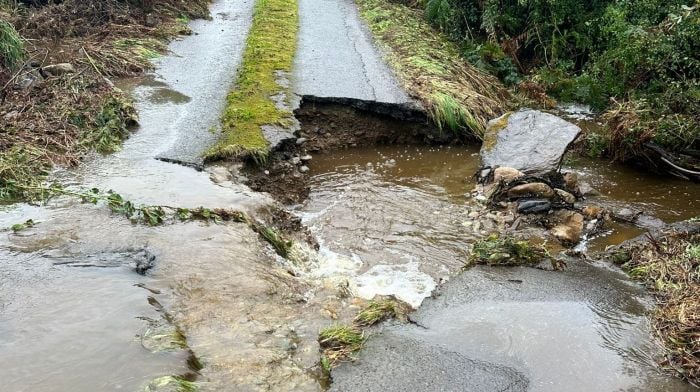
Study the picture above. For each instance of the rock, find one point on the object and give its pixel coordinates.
(151, 21)
(473, 215)
(58, 69)
(569, 231)
(534, 206)
(301, 141)
(506, 174)
(649, 222)
(306, 158)
(295, 160)
(304, 169)
(531, 141)
(565, 196)
(571, 183)
(533, 189)
(592, 212)
(25, 82)
(626, 214)
(13, 115)
(585, 189)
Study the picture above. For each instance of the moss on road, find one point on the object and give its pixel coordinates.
(270, 49)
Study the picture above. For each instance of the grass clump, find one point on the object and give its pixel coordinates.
(670, 268)
(22, 169)
(339, 342)
(378, 310)
(111, 125)
(458, 96)
(11, 46)
(269, 50)
(171, 383)
(506, 250)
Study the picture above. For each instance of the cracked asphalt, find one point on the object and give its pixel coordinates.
(336, 56)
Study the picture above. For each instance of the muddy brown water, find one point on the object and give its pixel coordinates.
(401, 215)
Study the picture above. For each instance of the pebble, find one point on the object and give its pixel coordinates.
(296, 160)
(267, 172)
(304, 169)
(301, 141)
(306, 158)
(473, 214)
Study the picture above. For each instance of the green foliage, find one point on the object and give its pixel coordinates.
(11, 46)
(497, 250)
(640, 53)
(111, 125)
(171, 383)
(22, 170)
(17, 227)
(344, 338)
(378, 310)
(458, 96)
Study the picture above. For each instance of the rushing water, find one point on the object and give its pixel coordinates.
(403, 214)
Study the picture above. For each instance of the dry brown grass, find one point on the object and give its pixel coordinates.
(670, 267)
(60, 118)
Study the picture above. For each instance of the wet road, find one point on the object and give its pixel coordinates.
(336, 56)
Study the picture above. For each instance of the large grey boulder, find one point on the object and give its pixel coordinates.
(531, 141)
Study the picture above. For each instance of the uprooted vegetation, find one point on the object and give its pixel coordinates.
(458, 96)
(339, 342)
(55, 60)
(506, 250)
(670, 268)
(268, 56)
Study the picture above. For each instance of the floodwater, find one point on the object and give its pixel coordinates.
(403, 214)
(75, 316)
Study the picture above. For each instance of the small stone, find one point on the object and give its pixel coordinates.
(11, 115)
(267, 172)
(571, 182)
(304, 169)
(301, 141)
(481, 198)
(506, 174)
(569, 232)
(533, 189)
(592, 212)
(473, 214)
(587, 190)
(534, 206)
(59, 69)
(306, 158)
(565, 196)
(296, 160)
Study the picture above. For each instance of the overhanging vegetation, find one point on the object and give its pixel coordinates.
(458, 96)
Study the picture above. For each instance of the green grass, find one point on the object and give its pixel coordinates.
(505, 250)
(339, 342)
(669, 265)
(111, 125)
(22, 170)
(171, 383)
(378, 310)
(11, 46)
(270, 48)
(458, 96)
